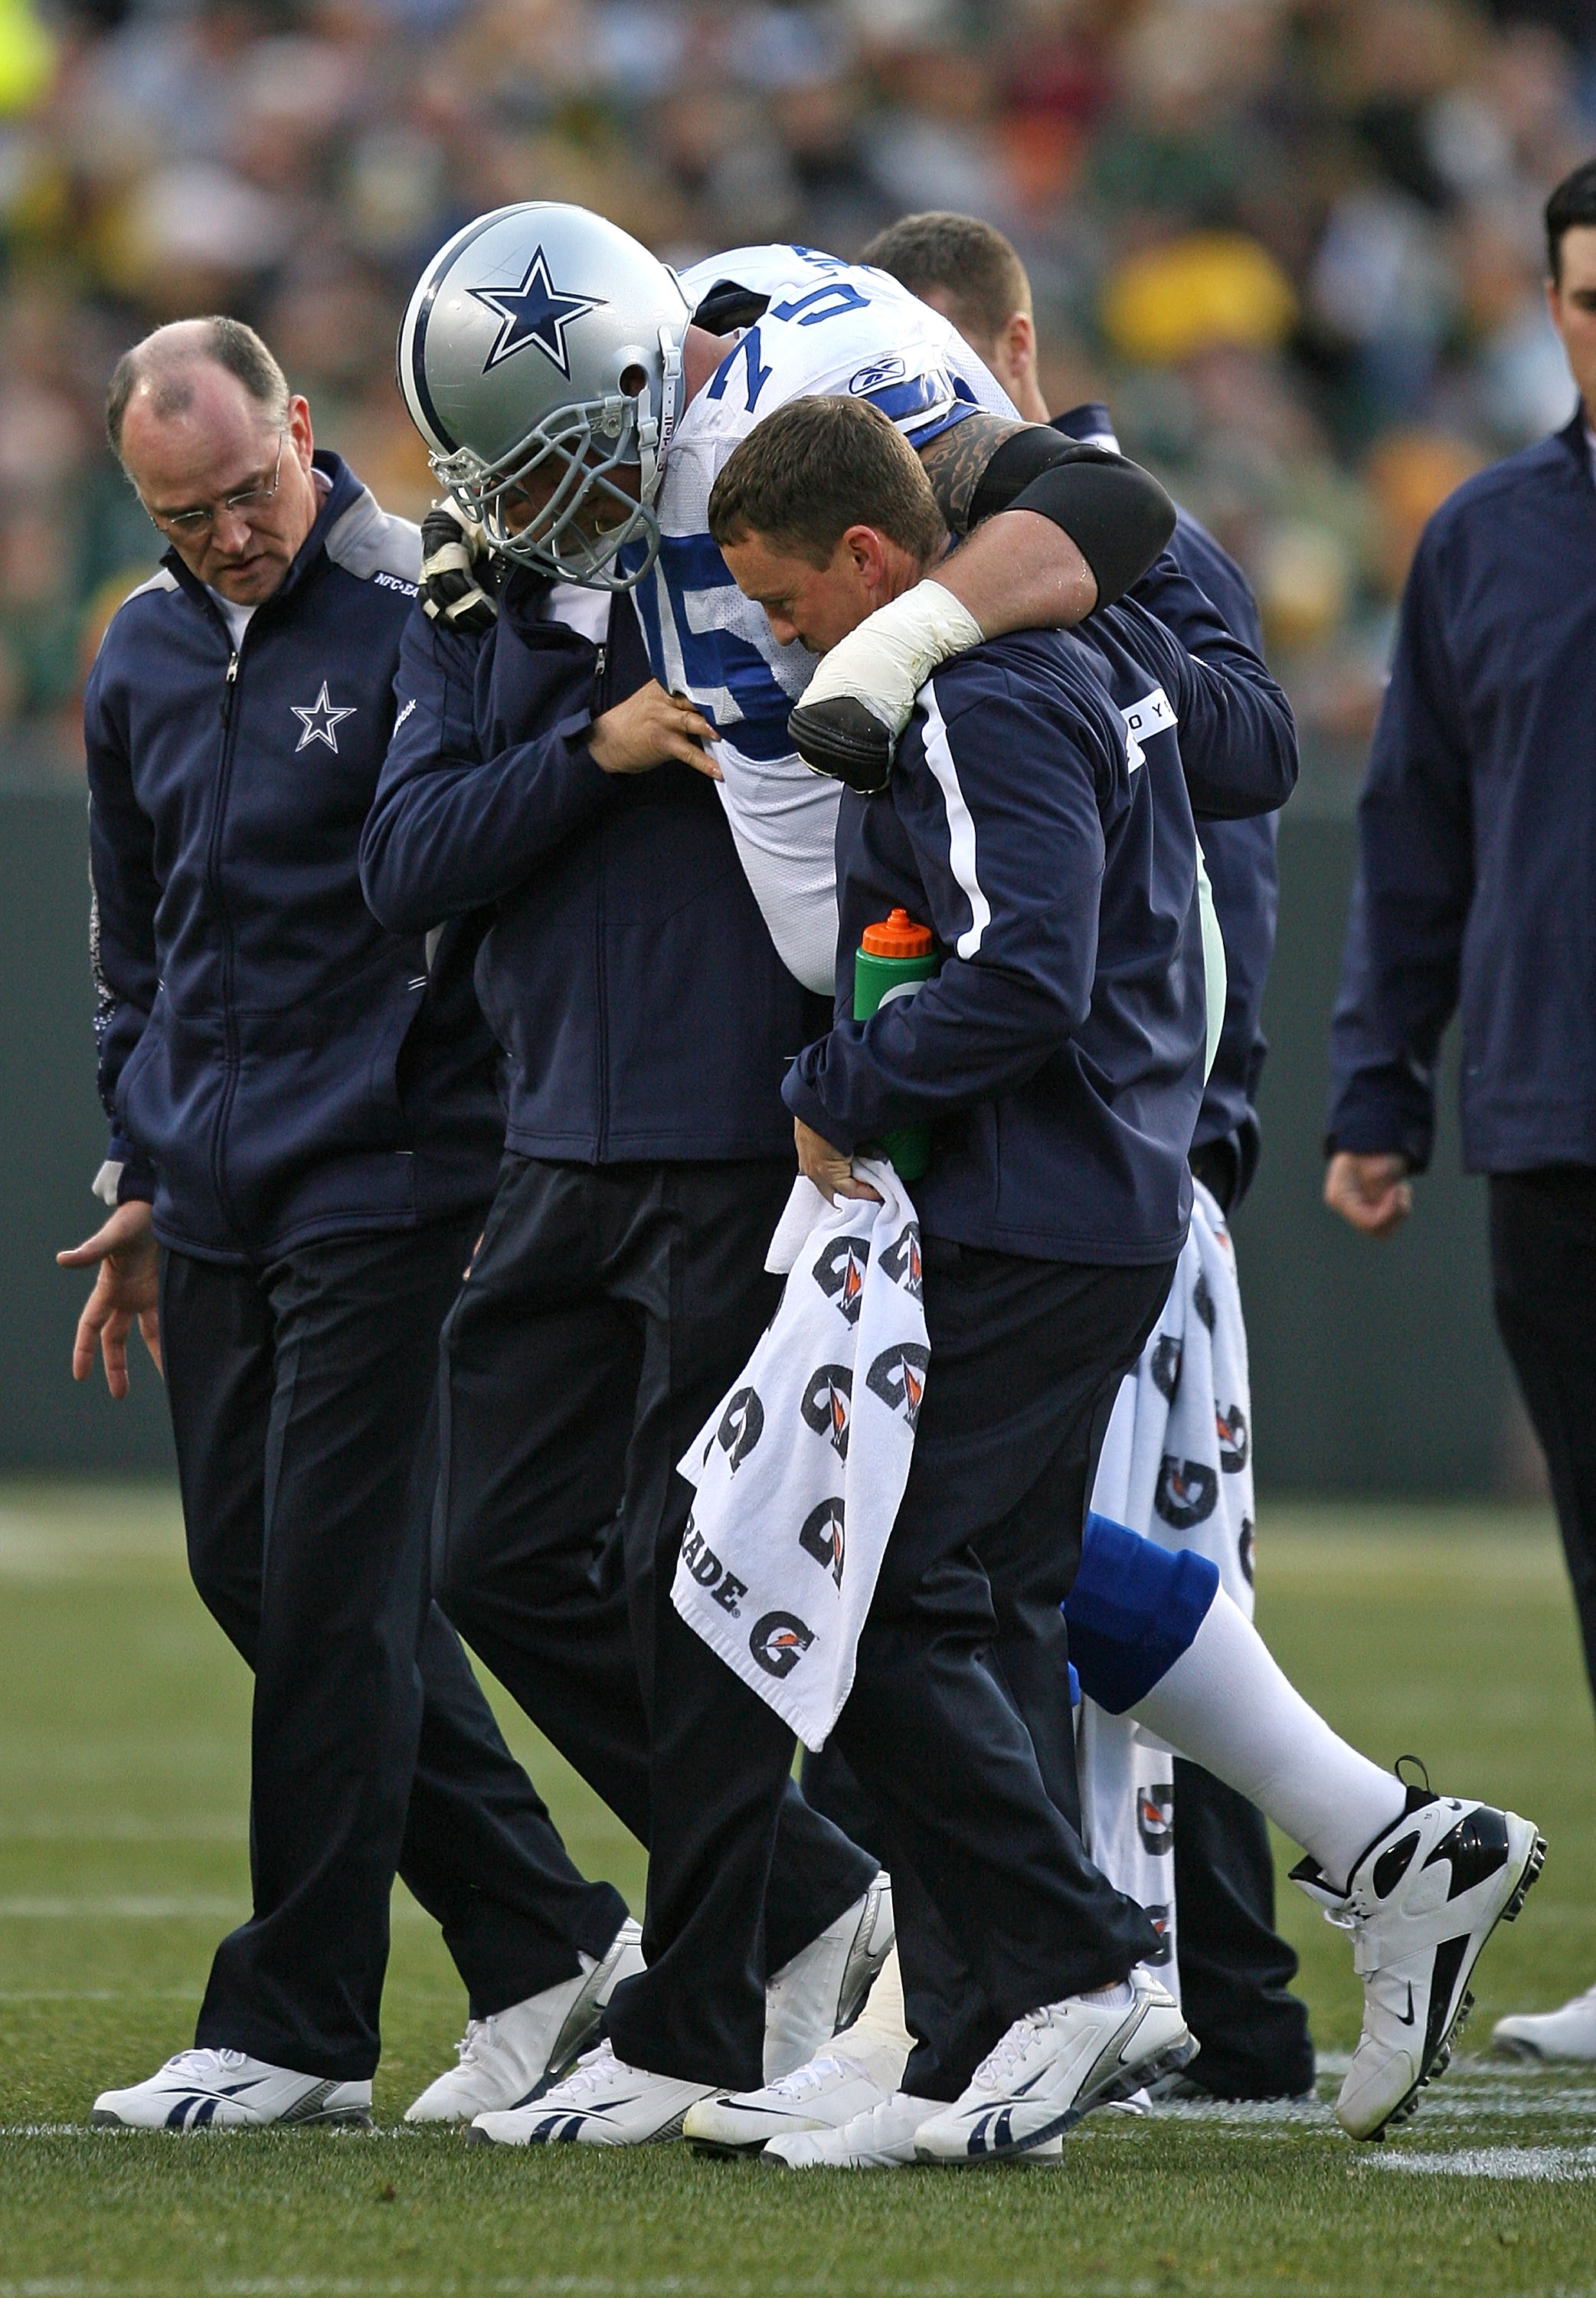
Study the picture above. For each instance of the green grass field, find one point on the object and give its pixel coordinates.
(123, 1779)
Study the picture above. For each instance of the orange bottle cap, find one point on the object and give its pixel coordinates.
(898, 936)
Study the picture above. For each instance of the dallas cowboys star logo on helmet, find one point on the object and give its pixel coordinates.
(534, 312)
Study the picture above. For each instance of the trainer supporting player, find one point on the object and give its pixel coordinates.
(1027, 1339)
(1236, 1970)
(1476, 890)
(304, 1131)
(646, 1023)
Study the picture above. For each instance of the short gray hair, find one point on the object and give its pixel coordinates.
(224, 342)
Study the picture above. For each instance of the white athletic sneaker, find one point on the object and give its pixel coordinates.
(823, 2095)
(602, 2101)
(820, 1991)
(218, 2090)
(1420, 1904)
(1053, 2066)
(1569, 2033)
(508, 2058)
(881, 2137)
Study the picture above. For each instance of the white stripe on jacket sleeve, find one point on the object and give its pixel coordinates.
(961, 829)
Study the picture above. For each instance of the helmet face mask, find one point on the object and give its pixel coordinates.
(548, 409)
(576, 524)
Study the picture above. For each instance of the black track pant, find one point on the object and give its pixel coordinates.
(1025, 1359)
(608, 1311)
(1236, 1970)
(300, 1397)
(1544, 1272)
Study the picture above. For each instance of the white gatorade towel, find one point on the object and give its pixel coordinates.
(800, 1469)
(1176, 1466)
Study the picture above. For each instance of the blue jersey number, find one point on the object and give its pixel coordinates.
(757, 376)
(827, 302)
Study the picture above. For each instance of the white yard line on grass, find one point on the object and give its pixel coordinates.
(1544, 2162)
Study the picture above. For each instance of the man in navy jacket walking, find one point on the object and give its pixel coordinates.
(304, 1130)
(1475, 891)
(1235, 1968)
(1046, 1259)
(646, 1022)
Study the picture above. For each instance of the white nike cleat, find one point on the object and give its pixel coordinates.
(1053, 2066)
(1422, 1902)
(823, 2094)
(880, 2137)
(1569, 2033)
(602, 2101)
(820, 1991)
(227, 2090)
(508, 2058)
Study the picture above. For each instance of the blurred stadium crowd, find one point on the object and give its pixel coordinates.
(1295, 242)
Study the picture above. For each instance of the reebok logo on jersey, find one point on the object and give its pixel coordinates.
(871, 378)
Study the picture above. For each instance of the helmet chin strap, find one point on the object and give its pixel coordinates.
(654, 438)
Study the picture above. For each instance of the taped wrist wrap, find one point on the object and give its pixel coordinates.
(1116, 514)
(858, 701)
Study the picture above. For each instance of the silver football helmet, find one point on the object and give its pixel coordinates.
(541, 359)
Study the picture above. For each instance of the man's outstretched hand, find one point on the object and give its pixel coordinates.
(127, 1259)
(1370, 1193)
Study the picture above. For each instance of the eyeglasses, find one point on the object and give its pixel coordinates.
(188, 525)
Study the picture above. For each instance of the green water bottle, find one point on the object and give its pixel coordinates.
(894, 958)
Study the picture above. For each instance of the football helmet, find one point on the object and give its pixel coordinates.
(541, 359)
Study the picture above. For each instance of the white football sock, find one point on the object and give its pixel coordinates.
(878, 2039)
(1225, 1705)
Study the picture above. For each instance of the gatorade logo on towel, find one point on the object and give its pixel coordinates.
(839, 1273)
(897, 1376)
(797, 1531)
(742, 1424)
(779, 1641)
(827, 1405)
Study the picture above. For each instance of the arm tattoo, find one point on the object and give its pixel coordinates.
(955, 459)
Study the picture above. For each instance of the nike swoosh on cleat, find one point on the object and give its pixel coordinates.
(1408, 2021)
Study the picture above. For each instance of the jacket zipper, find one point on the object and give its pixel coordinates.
(601, 968)
(230, 1061)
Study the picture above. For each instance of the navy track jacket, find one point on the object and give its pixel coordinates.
(1476, 878)
(1240, 855)
(275, 1067)
(626, 970)
(1040, 821)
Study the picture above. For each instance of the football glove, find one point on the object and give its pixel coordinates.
(460, 576)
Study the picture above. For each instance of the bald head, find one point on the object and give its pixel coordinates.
(160, 372)
(220, 452)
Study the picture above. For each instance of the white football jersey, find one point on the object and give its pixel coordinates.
(828, 328)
